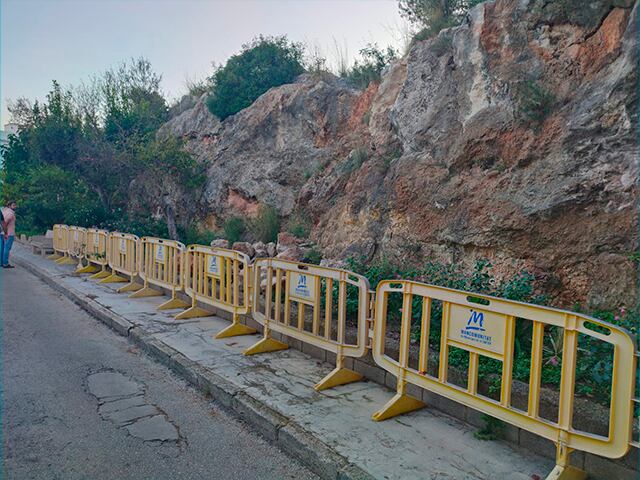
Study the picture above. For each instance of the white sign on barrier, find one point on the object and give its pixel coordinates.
(123, 245)
(213, 266)
(160, 257)
(302, 287)
(96, 240)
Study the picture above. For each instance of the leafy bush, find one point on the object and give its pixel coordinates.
(313, 256)
(299, 224)
(434, 15)
(535, 101)
(266, 225)
(374, 60)
(264, 63)
(233, 229)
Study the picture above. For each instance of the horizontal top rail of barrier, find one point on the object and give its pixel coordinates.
(220, 278)
(281, 287)
(485, 326)
(60, 237)
(96, 246)
(76, 243)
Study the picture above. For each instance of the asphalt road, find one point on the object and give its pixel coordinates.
(80, 402)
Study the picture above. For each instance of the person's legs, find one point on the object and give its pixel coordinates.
(2, 242)
(6, 248)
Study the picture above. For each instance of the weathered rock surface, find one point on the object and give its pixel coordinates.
(447, 160)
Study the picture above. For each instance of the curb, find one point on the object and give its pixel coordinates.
(279, 430)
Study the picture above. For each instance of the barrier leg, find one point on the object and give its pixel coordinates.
(235, 329)
(193, 312)
(563, 470)
(267, 344)
(130, 287)
(65, 261)
(114, 278)
(104, 273)
(173, 303)
(145, 292)
(88, 269)
(338, 376)
(399, 404)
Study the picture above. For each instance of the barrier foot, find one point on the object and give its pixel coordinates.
(266, 345)
(567, 473)
(234, 330)
(54, 256)
(65, 261)
(130, 287)
(113, 278)
(143, 292)
(100, 275)
(399, 404)
(172, 304)
(87, 269)
(338, 376)
(193, 312)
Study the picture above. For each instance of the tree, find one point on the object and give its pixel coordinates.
(435, 15)
(264, 63)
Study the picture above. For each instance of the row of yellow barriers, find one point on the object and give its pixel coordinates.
(310, 303)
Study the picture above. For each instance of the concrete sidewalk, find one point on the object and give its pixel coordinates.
(330, 431)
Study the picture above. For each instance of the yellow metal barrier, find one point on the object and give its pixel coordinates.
(59, 241)
(96, 254)
(123, 255)
(289, 286)
(61, 245)
(77, 239)
(221, 278)
(161, 266)
(485, 327)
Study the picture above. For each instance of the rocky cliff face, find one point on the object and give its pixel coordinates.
(511, 137)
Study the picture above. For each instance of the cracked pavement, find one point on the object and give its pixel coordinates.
(81, 402)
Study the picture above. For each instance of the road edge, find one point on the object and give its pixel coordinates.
(279, 430)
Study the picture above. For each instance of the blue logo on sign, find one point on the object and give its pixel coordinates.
(476, 321)
(302, 281)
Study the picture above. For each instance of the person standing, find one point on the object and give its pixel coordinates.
(8, 232)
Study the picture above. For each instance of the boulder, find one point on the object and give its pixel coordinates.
(271, 249)
(244, 247)
(293, 254)
(220, 243)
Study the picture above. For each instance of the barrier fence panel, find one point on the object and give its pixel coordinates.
(484, 327)
(96, 254)
(122, 253)
(220, 278)
(161, 266)
(77, 238)
(311, 304)
(61, 245)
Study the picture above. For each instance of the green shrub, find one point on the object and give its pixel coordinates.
(535, 101)
(355, 160)
(493, 429)
(233, 229)
(313, 256)
(192, 235)
(299, 224)
(369, 69)
(434, 15)
(266, 225)
(264, 63)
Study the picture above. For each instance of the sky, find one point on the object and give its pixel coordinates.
(69, 41)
